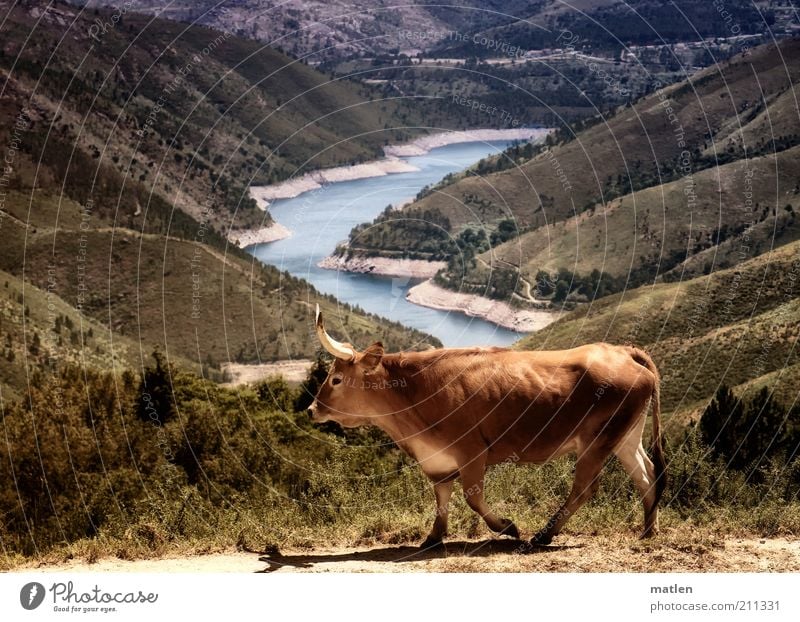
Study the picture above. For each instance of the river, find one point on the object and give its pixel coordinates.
(320, 219)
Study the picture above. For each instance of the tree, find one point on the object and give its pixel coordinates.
(746, 433)
(155, 392)
(308, 390)
(718, 420)
(35, 344)
(544, 285)
(762, 432)
(561, 291)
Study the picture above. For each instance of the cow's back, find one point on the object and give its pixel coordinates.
(531, 406)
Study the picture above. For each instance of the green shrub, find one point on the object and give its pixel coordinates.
(241, 466)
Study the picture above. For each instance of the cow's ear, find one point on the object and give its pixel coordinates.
(372, 356)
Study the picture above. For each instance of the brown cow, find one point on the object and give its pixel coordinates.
(456, 411)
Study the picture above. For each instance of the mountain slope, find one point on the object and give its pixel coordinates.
(332, 28)
(190, 113)
(656, 228)
(137, 291)
(678, 142)
(731, 327)
(339, 29)
(608, 25)
(122, 177)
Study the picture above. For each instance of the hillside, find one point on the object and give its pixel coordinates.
(39, 330)
(656, 166)
(655, 229)
(122, 178)
(542, 62)
(336, 29)
(143, 105)
(136, 291)
(333, 28)
(735, 327)
(608, 25)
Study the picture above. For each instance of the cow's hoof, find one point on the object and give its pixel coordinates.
(510, 530)
(541, 539)
(431, 543)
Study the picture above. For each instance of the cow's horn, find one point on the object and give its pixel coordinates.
(339, 350)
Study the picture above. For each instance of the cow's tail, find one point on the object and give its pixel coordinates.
(657, 445)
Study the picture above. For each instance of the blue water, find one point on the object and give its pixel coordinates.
(320, 219)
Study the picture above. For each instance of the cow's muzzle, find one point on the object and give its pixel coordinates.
(313, 412)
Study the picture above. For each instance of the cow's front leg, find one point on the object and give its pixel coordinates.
(472, 481)
(442, 490)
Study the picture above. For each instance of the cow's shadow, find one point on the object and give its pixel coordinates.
(397, 554)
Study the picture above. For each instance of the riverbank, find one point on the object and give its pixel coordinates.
(386, 266)
(264, 195)
(247, 237)
(424, 144)
(316, 234)
(428, 294)
(389, 165)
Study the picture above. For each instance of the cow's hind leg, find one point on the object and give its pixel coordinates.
(472, 481)
(587, 479)
(638, 465)
(442, 489)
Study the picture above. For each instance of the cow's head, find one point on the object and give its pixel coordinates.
(351, 394)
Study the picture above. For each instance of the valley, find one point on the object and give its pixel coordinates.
(183, 183)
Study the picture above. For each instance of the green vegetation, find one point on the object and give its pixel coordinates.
(548, 92)
(188, 113)
(115, 469)
(736, 327)
(40, 332)
(746, 433)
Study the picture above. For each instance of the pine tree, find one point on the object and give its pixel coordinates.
(718, 423)
(762, 431)
(156, 402)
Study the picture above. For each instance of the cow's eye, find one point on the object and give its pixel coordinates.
(337, 379)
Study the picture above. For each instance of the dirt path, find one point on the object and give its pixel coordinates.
(572, 554)
(293, 371)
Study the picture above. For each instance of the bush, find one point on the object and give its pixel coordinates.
(747, 433)
(81, 464)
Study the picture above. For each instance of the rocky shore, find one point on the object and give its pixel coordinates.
(264, 195)
(392, 163)
(424, 144)
(501, 313)
(412, 268)
(247, 237)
